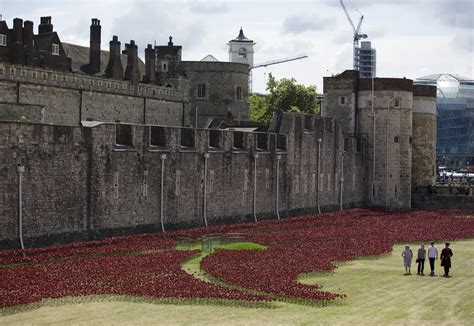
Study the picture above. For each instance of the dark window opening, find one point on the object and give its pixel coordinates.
(328, 125)
(342, 100)
(238, 92)
(281, 142)
(201, 90)
(215, 138)
(242, 53)
(157, 136)
(346, 144)
(187, 137)
(239, 140)
(411, 139)
(308, 122)
(396, 139)
(359, 145)
(397, 104)
(262, 141)
(124, 135)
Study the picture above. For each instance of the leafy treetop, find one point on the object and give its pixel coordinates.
(283, 95)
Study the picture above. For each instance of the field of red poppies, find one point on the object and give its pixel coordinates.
(149, 264)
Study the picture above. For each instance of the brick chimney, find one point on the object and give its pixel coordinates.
(28, 33)
(131, 72)
(18, 52)
(45, 26)
(18, 30)
(150, 64)
(94, 50)
(28, 41)
(114, 67)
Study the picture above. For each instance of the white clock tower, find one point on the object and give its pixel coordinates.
(241, 49)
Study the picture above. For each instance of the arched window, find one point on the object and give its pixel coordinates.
(243, 53)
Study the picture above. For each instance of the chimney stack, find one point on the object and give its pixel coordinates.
(131, 72)
(94, 50)
(17, 53)
(28, 33)
(150, 64)
(114, 67)
(28, 41)
(45, 26)
(18, 30)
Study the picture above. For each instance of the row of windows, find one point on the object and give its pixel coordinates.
(397, 103)
(124, 137)
(54, 48)
(201, 91)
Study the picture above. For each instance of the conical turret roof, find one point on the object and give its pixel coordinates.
(241, 38)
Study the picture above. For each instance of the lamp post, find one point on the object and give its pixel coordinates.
(387, 129)
(319, 174)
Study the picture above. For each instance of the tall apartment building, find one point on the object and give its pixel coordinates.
(366, 60)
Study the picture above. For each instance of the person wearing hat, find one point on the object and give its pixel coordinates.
(446, 255)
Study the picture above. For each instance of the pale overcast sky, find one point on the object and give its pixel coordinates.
(413, 38)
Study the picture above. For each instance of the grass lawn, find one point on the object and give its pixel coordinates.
(377, 293)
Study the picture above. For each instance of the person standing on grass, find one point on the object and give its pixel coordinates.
(432, 256)
(421, 260)
(407, 255)
(446, 255)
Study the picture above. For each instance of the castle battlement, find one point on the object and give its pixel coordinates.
(55, 78)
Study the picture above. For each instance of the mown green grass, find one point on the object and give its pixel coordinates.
(377, 294)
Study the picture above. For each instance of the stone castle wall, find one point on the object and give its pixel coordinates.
(424, 136)
(80, 184)
(221, 80)
(67, 98)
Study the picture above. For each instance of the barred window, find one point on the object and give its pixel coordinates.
(238, 92)
(55, 49)
(3, 40)
(201, 90)
(397, 103)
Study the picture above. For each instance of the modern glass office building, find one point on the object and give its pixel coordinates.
(366, 61)
(455, 130)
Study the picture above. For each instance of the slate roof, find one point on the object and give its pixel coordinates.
(209, 58)
(241, 37)
(80, 56)
(43, 41)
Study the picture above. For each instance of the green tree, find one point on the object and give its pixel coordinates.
(283, 95)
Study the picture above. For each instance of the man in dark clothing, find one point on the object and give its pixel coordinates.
(446, 255)
(421, 259)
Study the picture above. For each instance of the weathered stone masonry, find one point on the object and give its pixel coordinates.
(79, 184)
(66, 98)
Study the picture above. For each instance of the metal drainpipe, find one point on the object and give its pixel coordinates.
(342, 182)
(255, 187)
(386, 157)
(21, 170)
(278, 158)
(162, 158)
(206, 157)
(373, 140)
(319, 173)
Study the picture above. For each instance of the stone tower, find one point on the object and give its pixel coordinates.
(381, 111)
(424, 135)
(389, 138)
(241, 49)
